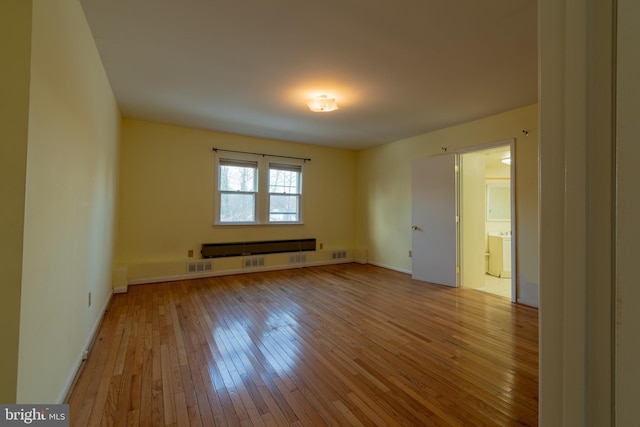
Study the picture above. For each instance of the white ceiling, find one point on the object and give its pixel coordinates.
(397, 69)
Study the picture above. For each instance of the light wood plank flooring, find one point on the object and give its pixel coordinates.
(334, 345)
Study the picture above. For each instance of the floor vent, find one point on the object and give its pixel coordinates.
(297, 258)
(253, 262)
(338, 254)
(199, 266)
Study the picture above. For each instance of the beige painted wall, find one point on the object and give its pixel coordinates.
(69, 202)
(472, 220)
(384, 186)
(15, 57)
(167, 198)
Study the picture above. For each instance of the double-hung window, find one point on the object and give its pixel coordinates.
(237, 191)
(258, 191)
(285, 190)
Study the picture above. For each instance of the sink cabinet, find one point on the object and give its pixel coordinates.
(500, 256)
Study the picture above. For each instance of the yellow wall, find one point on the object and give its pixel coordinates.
(15, 52)
(167, 190)
(69, 203)
(384, 190)
(473, 213)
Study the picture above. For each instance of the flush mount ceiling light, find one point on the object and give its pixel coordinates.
(323, 104)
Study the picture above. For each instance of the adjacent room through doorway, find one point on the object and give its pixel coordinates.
(485, 207)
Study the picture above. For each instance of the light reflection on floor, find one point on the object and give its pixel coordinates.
(279, 343)
(274, 347)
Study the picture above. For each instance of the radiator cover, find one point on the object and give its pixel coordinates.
(219, 250)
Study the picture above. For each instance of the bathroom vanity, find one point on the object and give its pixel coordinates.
(500, 254)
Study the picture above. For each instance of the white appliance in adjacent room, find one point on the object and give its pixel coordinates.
(500, 254)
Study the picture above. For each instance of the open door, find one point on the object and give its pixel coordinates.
(434, 239)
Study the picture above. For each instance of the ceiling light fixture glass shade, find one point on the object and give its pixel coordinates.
(323, 104)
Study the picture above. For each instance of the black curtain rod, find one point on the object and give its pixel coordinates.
(262, 154)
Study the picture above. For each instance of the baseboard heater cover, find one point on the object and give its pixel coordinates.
(219, 250)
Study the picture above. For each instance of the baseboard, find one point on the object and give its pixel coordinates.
(64, 393)
(120, 290)
(532, 304)
(147, 280)
(389, 267)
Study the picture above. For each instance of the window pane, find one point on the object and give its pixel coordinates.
(237, 207)
(284, 181)
(283, 208)
(238, 177)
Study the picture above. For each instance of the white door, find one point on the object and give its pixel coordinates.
(434, 235)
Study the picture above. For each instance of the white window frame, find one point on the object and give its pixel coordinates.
(291, 167)
(262, 196)
(226, 161)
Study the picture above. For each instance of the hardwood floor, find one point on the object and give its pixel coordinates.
(335, 345)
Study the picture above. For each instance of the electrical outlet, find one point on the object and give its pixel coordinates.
(85, 355)
(321, 245)
(190, 253)
(410, 253)
(89, 299)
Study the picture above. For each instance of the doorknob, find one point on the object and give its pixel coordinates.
(415, 227)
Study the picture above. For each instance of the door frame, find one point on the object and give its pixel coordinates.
(511, 143)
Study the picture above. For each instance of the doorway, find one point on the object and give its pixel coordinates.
(485, 198)
(462, 204)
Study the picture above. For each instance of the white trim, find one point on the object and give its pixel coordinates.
(388, 267)
(262, 195)
(120, 290)
(515, 283)
(147, 280)
(487, 146)
(78, 362)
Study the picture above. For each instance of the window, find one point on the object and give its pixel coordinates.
(284, 192)
(258, 192)
(238, 187)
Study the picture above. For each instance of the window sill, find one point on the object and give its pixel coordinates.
(255, 224)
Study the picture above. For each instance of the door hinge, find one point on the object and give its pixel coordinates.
(457, 219)
(457, 269)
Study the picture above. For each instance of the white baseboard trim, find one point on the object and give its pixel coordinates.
(524, 301)
(147, 280)
(78, 362)
(120, 290)
(389, 267)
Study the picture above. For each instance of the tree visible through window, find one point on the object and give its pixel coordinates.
(238, 185)
(242, 184)
(284, 192)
